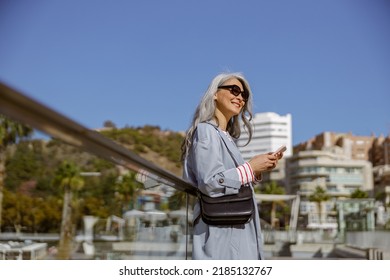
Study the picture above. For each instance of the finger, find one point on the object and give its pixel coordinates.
(271, 165)
(271, 157)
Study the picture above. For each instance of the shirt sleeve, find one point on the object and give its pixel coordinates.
(246, 174)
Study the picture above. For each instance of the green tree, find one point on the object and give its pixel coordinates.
(126, 190)
(359, 194)
(23, 212)
(68, 177)
(10, 133)
(273, 188)
(109, 124)
(177, 200)
(319, 196)
(22, 166)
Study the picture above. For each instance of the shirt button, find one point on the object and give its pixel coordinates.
(221, 181)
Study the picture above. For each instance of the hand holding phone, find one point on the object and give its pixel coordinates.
(280, 150)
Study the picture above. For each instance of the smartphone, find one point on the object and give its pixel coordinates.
(281, 149)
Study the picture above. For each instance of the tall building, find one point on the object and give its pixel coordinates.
(339, 164)
(340, 160)
(339, 175)
(376, 150)
(270, 132)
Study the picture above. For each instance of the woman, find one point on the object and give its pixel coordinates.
(208, 151)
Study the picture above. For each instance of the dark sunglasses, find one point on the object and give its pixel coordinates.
(236, 91)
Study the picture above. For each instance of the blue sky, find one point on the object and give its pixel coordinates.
(325, 62)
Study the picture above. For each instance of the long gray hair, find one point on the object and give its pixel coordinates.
(206, 111)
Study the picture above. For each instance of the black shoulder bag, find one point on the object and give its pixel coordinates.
(231, 209)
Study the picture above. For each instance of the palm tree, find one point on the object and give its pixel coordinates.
(177, 200)
(68, 177)
(319, 196)
(127, 189)
(273, 188)
(10, 133)
(359, 194)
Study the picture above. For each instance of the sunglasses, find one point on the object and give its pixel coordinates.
(236, 91)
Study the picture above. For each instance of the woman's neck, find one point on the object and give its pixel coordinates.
(221, 120)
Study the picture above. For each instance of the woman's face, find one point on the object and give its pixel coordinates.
(227, 103)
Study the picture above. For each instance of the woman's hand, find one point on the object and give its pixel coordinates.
(264, 162)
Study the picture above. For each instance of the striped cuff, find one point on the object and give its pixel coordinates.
(245, 174)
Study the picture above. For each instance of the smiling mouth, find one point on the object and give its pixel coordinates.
(238, 105)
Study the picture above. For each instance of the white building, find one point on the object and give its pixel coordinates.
(334, 171)
(270, 132)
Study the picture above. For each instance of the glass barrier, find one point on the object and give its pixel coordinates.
(68, 192)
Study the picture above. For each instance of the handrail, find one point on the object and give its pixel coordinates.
(33, 113)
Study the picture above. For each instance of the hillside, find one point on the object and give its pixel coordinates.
(161, 147)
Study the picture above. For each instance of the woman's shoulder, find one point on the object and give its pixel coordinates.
(205, 130)
(206, 126)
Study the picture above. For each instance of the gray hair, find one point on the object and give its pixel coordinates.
(206, 111)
